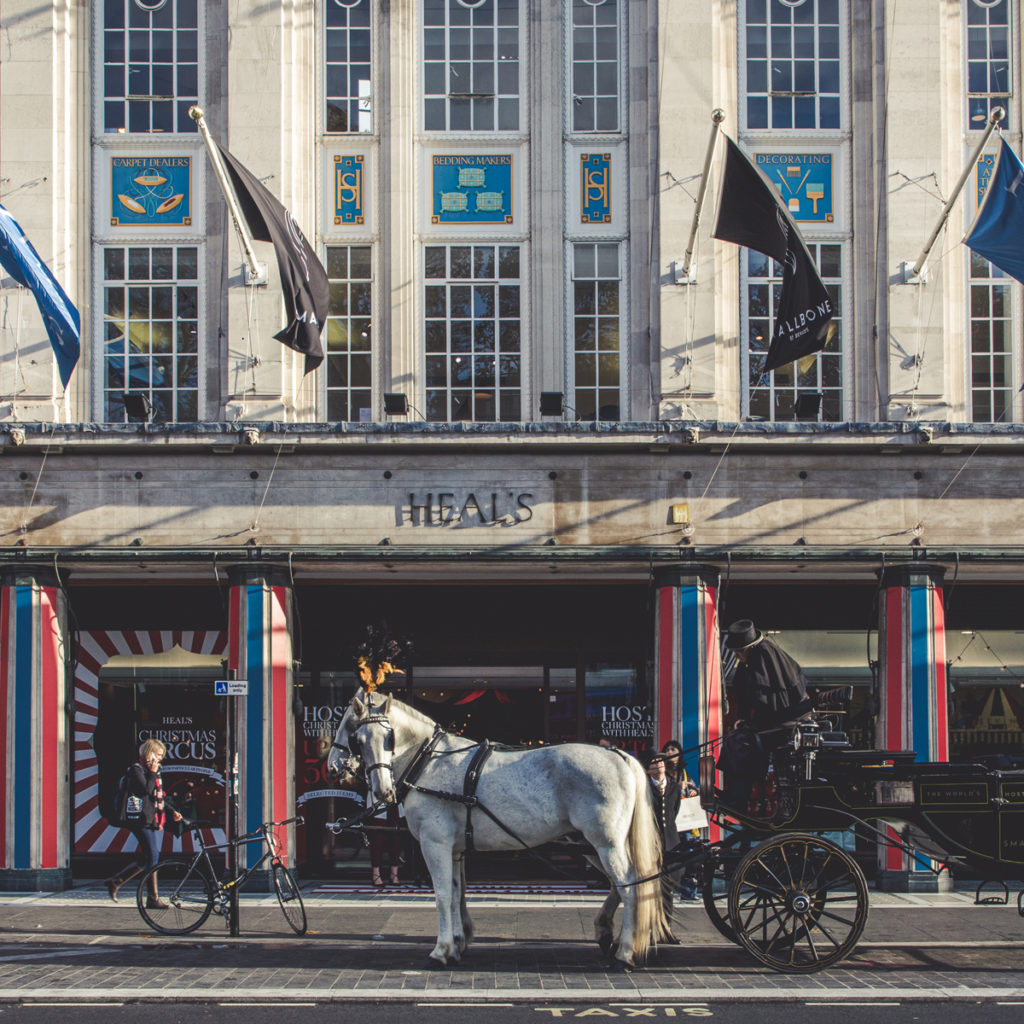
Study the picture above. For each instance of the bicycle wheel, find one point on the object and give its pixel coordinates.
(290, 898)
(185, 890)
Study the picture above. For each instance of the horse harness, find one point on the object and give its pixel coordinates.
(409, 778)
(468, 798)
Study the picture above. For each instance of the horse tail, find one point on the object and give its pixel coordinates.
(645, 851)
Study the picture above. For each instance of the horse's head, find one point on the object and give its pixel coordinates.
(342, 763)
(365, 738)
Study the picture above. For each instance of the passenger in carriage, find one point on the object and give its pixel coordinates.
(675, 769)
(666, 795)
(768, 689)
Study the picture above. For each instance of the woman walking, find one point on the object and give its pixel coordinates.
(143, 781)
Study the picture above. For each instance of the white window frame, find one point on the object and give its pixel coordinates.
(1013, 404)
(523, 94)
(522, 281)
(844, 79)
(340, 243)
(375, 60)
(845, 307)
(1013, 62)
(621, 26)
(624, 326)
(99, 85)
(99, 317)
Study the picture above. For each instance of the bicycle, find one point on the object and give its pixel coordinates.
(192, 890)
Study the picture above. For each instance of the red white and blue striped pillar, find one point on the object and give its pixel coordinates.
(35, 844)
(260, 651)
(688, 703)
(913, 698)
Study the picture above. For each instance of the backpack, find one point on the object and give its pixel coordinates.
(127, 806)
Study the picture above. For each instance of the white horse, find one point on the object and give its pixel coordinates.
(539, 795)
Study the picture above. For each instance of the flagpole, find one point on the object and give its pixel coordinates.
(996, 114)
(717, 117)
(257, 270)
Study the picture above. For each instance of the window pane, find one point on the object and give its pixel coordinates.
(470, 66)
(992, 375)
(472, 329)
(774, 396)
(349, 355)
(155, 52)
(596, 325)
(791, 60)
(595, 56)
(162, 329)
(348, 68)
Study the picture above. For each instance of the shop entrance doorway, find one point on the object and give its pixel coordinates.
(519, 705)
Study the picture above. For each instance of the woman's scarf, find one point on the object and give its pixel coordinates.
(158, 802)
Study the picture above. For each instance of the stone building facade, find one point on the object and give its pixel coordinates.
(536, 445)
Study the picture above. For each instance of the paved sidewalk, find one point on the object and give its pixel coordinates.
(530, 946)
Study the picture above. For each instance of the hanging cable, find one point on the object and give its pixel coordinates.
(1002, 664)
(39, 476)
(725, 451)
(266, 490)
(963, 650)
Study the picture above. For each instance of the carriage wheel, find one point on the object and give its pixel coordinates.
(798, 903)
(715, 883)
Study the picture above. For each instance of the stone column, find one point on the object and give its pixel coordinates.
(688, 702)
(913, 696)
(34, 814)
(260, 651)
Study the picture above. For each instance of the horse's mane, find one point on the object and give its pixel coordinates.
(412, 712)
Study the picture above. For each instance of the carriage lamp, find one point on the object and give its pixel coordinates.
(680, 514)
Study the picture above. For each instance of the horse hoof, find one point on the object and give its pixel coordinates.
(671, 940)
(620, 967)
(433, 964)
(605, 944)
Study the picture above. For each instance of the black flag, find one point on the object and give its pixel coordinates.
(750, 213)
(303, 278)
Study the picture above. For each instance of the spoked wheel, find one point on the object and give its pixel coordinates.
(290, 898)
(184, 889)
(715, 882)
(798, 903)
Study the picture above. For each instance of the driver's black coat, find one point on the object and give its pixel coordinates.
(767, 689)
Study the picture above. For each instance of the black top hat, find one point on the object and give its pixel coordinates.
(742, 633)
(651, 756)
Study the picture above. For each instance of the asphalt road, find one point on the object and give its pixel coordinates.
(879, 1011)
(532, 959)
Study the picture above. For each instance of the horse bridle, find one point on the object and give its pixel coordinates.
(354, 753)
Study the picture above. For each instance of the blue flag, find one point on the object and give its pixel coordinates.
(998, 230)
(60, 317)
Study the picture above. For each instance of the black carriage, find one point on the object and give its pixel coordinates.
(797, 901)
